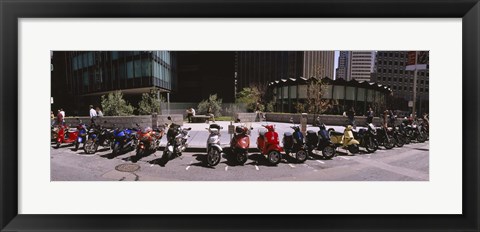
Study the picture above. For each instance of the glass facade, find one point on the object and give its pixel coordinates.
(89, 72)
(343, 94)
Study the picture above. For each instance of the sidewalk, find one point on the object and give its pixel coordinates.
(198, 135)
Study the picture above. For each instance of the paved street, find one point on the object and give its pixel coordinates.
(409, 163)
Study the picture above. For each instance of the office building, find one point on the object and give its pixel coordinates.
(390, 70)
(83, 76)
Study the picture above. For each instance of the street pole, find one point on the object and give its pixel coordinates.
(415, 85)
(168, 103)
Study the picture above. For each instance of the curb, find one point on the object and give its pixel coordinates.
(203, 149)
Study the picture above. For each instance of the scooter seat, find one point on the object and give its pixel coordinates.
(262, 132)
(336, 133)
(287, 134)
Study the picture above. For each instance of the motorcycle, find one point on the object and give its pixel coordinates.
(320, 141)
(97, 136)
(82, 134)
(124, 140)
(402, 129)
(269, 144)
(293, 143)
(367, 138)
(346, 140)
(385, 137)
(239, 144)
(148, 140)
(65, 135)
(176, 141)
(214, 150)
(415, 131)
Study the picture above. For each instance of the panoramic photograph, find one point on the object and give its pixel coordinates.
(239, 115)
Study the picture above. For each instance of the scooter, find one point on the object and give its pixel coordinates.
(65, 135)
(320, 141)
(293, 143)
(367, 138)
(82, 134)
(214, 150)
(269, 144)
(176, 141)
(346, 140)
(148, 140)
(239, 144)
(98, 136)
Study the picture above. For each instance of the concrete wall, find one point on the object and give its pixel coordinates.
(129, 121)
(245, 117)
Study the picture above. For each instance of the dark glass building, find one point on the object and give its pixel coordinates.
(202, 73)
(86, 75)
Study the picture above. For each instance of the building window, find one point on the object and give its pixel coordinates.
(130, 73)
(138, 68)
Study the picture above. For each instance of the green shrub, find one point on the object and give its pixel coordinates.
(114, 105)
(213, 102)
(149, 104)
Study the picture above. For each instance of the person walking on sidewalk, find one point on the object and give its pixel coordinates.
(93, 114)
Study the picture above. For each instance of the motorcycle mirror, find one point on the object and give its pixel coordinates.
(169, 118)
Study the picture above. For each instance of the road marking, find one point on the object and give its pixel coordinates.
(151, 165)
(291, 165)
(320, 161)
(226, 168)
(344, 157)
(315, 170)
(380, 151)
(256, 167)
(187, 167)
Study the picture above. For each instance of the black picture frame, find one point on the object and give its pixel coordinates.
(11, 11)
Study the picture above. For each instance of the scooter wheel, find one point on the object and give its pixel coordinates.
(57, 145)
(76, 145)
(213, 157)
(274, 157)
(242, 158)
(301, 156)
(328, 152)
(354, 149)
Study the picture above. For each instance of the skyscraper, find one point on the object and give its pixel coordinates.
(390, 70)
(356, 65)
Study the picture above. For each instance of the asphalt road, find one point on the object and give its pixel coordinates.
(409, 163)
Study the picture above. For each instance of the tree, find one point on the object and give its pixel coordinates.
(213, 102)
(250, 96)
(114, 105)
(315, 103)
(150, 104)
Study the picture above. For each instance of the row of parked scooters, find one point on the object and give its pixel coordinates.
(323, 143)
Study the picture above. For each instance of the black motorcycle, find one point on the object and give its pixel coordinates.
(176, 141)
(367, 138)
(385, 138)
(98, 136)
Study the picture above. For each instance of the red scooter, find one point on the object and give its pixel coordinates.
(239, 144)
(65, 136)
(269, 144)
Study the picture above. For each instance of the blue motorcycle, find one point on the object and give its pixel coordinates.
(124, 140)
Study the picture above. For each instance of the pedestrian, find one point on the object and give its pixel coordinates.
(370, 115)
(258, 111)
(93, 114)
(59, 118)
(63, 115)
(190, 114)
(351, 116)
(52, 118)
(99, 112)
(210, 113)
(391, 118)
(385, 118)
